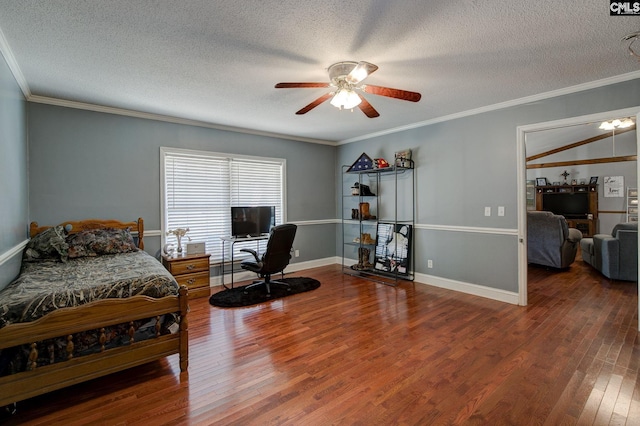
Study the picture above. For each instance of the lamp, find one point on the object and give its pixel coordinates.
(616, 124)
(345, 98)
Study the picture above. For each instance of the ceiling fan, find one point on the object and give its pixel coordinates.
(345, 78)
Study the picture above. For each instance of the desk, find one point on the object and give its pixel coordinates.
(233, 241)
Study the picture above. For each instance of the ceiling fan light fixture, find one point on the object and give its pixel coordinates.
(361, 71)
(616, 124)
(345, 79)
(630, 39)
(627, 122)
(345, 99)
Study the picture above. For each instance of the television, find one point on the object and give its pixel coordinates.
(252, 221)
(572, 205)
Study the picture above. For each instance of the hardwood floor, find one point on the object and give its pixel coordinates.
(357, 352)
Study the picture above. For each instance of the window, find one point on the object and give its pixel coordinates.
(200, 187)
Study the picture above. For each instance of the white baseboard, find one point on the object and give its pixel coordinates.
(469, 288)
(448, 284)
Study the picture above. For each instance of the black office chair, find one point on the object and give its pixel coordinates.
(274, 259)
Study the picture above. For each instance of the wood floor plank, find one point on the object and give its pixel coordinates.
(355, 352)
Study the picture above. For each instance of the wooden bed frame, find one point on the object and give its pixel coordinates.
(93, 316)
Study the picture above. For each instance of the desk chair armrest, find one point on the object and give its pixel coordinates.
(253, 252)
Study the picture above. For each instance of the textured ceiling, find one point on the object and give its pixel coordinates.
(218, 61)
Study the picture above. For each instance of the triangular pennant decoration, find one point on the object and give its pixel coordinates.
(364, 162)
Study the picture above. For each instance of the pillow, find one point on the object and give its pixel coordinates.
(96, 242)
(47, 245)
(79, 244)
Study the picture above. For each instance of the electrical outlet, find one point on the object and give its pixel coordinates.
(487, 211)
(500, 210)
(297, 253)
(429, 263)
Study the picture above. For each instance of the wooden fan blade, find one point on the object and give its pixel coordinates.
(315, 103)
(368, 110)
(300, 85)
(392, 93)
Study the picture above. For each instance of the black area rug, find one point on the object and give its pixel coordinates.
(235, 297)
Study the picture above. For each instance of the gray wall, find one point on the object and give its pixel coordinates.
(465, 164)
(87, 164)
(13, 172)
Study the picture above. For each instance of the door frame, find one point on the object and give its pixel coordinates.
(522, 179)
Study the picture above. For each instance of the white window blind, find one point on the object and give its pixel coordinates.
(201, 187)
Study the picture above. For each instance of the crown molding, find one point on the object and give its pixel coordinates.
(166, 118)
(515, 102)
(6, 52)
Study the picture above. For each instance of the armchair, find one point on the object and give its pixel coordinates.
(615, 255)
(550, 242)
(275, 258)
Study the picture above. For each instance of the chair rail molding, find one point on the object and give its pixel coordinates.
(4, 257)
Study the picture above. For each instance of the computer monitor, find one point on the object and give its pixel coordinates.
(252, 221)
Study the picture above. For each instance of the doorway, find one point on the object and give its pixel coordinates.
(522, 132)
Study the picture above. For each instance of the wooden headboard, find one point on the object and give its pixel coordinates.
(137, 227)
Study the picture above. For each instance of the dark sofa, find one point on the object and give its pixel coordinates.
(615, 255)
(550, 242)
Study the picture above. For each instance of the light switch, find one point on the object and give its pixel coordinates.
(487, 211)
(500, 210)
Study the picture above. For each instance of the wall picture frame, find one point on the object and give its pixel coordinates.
(593, 180)
(393, 248)
(541, 181)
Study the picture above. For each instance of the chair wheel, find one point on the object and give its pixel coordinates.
(11, 409)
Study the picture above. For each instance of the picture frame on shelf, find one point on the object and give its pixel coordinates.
(541, 181)
(593, 180)
(393, 248)
(403, 159)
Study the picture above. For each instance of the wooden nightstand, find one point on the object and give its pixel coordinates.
(191, 270)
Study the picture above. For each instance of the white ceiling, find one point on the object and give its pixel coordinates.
(218, 61)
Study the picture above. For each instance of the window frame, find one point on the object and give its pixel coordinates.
(169, 151)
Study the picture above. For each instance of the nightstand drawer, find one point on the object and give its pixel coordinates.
(197, 283)
(188, 266)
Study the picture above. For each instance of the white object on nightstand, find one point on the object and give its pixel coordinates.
(196, 248)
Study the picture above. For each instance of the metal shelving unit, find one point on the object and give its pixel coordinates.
(377, 238)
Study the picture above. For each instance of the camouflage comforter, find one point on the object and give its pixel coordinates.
(43, 287)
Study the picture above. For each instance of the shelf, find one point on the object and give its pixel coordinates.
(632, 204)
(390, 169)
(377, 276)
(392, 236)
(353, 243)
(361, 222)
(563, 189)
